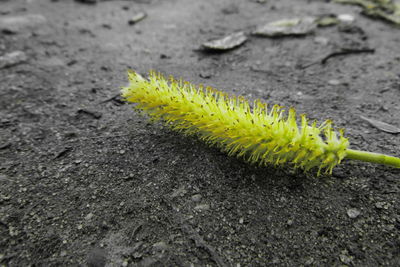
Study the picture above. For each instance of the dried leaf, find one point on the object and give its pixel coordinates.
(286, 27)
(226, 43)
(383, 126)
(383, 9)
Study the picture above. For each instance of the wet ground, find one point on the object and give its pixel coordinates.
(85, 180)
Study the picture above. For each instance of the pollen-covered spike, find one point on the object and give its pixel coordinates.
(255, 133)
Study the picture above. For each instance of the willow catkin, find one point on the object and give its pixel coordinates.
(258, 134)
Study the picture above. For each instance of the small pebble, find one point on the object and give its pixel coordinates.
(89, 216)
(309, 261)
(347, 18)
(180, 192)
(202, 207)
(196, 198)
(321, 40)
(381, 205)
(353, 213)
(12, 59)
(346, 259)
(334, 82)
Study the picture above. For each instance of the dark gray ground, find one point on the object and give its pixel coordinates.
(84, 180)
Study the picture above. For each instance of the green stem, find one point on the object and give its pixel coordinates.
(373, 157)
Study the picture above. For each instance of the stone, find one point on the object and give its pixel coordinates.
(346, 18)
(334, 82)
(202, 207)
(353, 213)
(16, 24)
(321, 40)
(196, 198)
(89, 216)
(12, 59)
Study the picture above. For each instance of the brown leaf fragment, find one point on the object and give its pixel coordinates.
(228, 42)
(383, 126)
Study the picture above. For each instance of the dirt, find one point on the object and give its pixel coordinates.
(85, 180)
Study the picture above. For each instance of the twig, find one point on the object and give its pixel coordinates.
(343, 52)
(63, 152)
(347, 52)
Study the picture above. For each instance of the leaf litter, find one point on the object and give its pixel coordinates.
(383, 126)
(387, 10)
(226, 43)
(287, 27)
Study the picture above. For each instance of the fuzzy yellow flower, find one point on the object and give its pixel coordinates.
(256, 133)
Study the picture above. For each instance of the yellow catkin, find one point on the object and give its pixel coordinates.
(256, 133)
